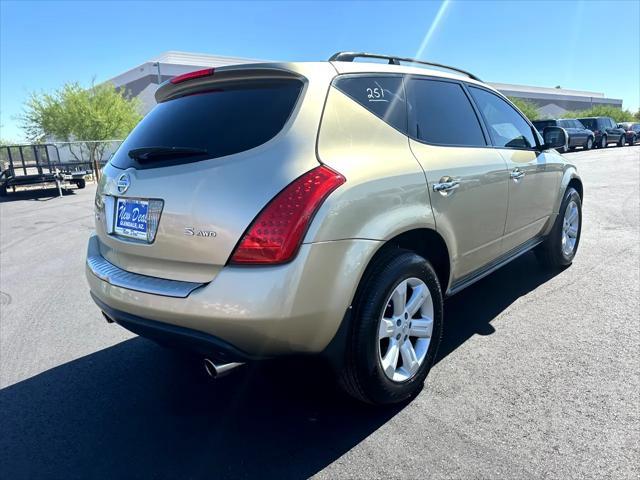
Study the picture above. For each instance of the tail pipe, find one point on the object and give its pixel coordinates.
(217, 370)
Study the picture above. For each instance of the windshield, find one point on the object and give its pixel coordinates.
(215, 123)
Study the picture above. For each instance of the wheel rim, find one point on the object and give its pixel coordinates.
(603, 142)
(570, 227)
(589, 143)
(406, 325)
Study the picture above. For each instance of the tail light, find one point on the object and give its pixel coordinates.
(276, 233)
(191, 75)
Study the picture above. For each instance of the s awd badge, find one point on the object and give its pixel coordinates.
(195, 232)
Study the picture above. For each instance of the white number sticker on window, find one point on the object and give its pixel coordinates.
(376, 94)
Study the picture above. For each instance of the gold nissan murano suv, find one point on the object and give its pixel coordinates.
(326, 208)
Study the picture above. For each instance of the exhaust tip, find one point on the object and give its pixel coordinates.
(210, 368)
(217, 370)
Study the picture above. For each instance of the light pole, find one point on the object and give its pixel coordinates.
(157, 65)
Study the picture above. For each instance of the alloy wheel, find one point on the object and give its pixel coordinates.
(570, 226)
(589, 143)
(405, 330)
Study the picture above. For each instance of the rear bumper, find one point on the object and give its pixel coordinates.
(252, 312)
(173, 335)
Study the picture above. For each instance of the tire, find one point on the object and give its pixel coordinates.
(632, 142)
(81, 183)
(603, 141)
(3, 190)
(554, 253)
(589, 144)
(376, 307)
(621, 142)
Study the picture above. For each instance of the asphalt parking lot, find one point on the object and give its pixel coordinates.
(539, 374)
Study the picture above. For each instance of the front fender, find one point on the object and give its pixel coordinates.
(569, 174)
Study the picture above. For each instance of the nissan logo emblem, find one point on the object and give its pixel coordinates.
(123, 183)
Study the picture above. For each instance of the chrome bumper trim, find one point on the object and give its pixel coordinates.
(141, 283)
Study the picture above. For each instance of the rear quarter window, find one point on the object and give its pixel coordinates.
(383, 96)
(225, 120)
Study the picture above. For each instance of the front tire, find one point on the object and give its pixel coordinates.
(561, 245)
(396, 329)
(621, 142)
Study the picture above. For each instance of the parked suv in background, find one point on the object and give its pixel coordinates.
(605, 130)
(325, 208)
(578, 135)
(632, 131)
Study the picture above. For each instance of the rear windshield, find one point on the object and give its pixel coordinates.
(541, 124)
(222, 121)
(589, 123)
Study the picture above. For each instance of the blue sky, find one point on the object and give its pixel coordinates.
(584, 45)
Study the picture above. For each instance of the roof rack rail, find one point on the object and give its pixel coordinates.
(393, 60)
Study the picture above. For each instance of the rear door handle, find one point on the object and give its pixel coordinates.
(446, 186)
(517, 174)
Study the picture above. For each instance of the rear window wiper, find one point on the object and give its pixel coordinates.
(149, 153)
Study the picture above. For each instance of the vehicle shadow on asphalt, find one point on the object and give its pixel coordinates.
(471, 311)
(135, 410)
(36, 194)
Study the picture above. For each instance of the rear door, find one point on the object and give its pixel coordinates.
(534, 176)
(574, 135)
(581, 133)
(466, 178)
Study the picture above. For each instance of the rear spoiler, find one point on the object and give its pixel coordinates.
(200, 80)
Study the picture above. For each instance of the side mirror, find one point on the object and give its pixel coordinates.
(554, 137)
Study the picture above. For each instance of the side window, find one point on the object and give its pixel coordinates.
(381, 95)
(440, 113)
(506, 126)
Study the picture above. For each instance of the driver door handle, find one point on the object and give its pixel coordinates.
(517, 174)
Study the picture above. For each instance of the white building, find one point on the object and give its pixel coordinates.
(143, 80)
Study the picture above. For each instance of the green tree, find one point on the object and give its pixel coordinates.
(636, 116)
(617, 114)
(88, 115)
(529, 109)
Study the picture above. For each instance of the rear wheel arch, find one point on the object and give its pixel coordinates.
(427, 243)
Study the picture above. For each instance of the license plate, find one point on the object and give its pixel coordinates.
(131, 218)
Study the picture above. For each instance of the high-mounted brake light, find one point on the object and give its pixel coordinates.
(276, 233)
(191, 75)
